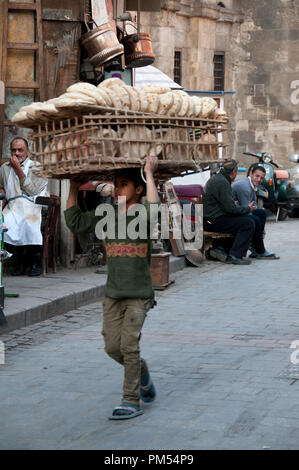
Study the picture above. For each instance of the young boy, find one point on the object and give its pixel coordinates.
(128, 293)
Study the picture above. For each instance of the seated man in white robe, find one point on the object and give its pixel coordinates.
(21, 215)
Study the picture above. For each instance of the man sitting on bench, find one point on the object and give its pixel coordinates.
(244, 192)
(221, 214)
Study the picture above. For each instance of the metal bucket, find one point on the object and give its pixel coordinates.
(101, 44)
(138, 50)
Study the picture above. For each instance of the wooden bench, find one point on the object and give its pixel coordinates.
(208, 238)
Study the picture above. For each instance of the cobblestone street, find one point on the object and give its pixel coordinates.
(219, 348)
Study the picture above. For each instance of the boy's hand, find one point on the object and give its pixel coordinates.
(151, 165)
(73, 193)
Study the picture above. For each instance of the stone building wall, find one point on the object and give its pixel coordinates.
(265, 68)
(198, 29)
(195, 28)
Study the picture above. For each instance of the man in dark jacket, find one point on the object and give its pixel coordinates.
(221, 214)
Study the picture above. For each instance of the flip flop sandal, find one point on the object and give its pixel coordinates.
(125, 412)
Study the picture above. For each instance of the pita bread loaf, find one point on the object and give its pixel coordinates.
(98, 146)
(197, 105)
(47, 110)
(61, 146)
(114, 99)
(103, 96)
(208, 107)
(111, 82)
(21, 116)
(165, 102)
(198, 153)
(153, 103)
(209, 150)
(187, 108)
(156, 89)
(180, 92)
(185, 105)
(95, 93)
(175, 150)
(54, 151)
(86, 89)
(130, 147)
(220, 115)
(80, 97)
(134, 98)
(49, 155)
(143, 101)
(177, 104)
(191, 108)
(123, 95)
(31, 107)
(65, 103)
(156, 148)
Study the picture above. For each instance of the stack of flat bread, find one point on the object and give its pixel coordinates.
(114, 93)
(101, 142)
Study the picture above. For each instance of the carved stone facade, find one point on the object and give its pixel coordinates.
(261, 46)
(198, 29)
(266, 77)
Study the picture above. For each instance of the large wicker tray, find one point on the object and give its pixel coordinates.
(93, 146)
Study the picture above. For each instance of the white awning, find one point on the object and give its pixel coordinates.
(151, 75)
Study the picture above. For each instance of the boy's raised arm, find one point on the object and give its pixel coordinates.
(73, 194)
(149, 169)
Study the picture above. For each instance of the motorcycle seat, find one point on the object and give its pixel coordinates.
(281, 174)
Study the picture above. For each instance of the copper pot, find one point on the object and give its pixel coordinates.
(101, 44)
(138, 50)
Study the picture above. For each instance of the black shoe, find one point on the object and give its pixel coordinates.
(35, 271)
(218, 253)
(235, 260)
(19, 271)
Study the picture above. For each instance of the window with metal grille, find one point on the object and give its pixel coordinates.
(177, 71)
(219, 71)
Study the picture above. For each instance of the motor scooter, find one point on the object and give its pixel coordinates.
(272, 193)
(293, 187)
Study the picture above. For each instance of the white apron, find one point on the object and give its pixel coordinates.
(22, 216)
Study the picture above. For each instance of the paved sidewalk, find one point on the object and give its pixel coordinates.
(219, 348)
(42, 297)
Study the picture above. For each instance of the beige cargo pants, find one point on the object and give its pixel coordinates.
(122, 323)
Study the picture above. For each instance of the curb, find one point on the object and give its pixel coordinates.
(79, 288)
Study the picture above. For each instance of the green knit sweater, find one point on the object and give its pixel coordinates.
(128, 259)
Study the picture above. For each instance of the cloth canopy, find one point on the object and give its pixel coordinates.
(151, 75)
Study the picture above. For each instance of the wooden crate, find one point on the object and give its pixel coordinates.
(95, 145)
(160, 270)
